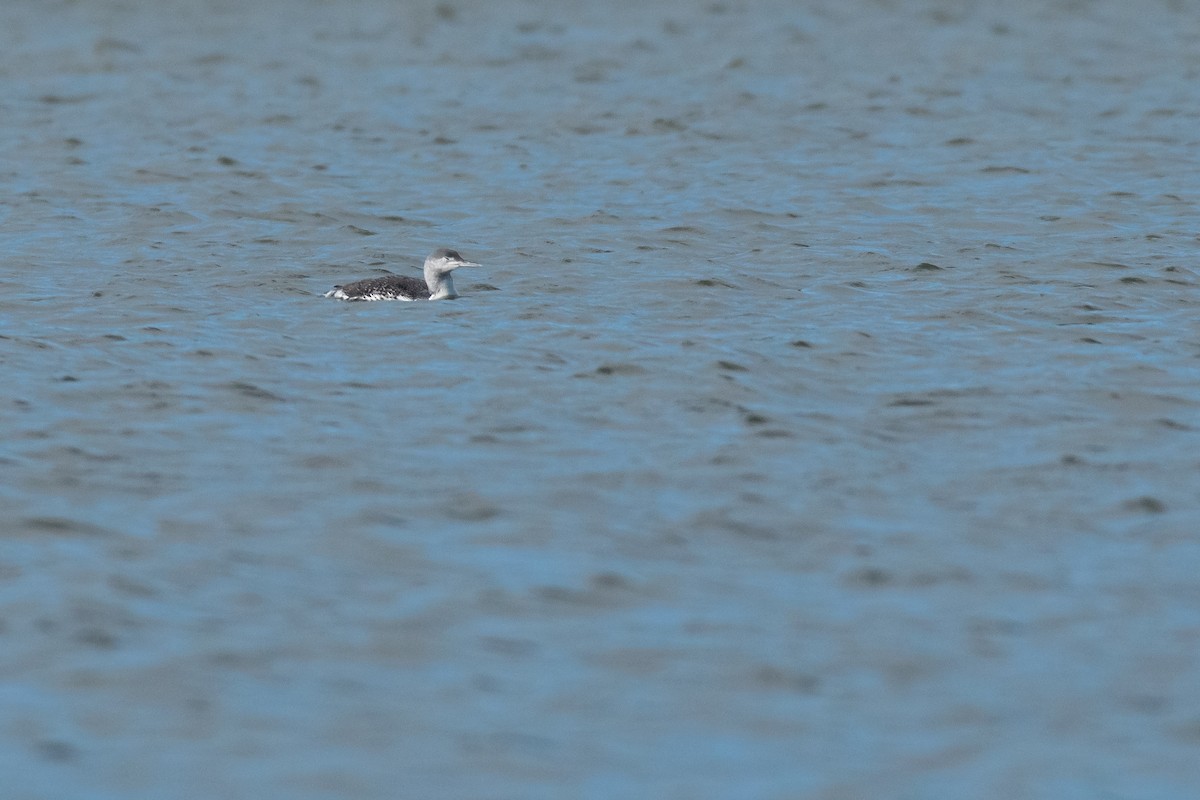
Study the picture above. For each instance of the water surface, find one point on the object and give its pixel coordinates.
(822, 422)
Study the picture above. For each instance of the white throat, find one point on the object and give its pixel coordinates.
(441, 285)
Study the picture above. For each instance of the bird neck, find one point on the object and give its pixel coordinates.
(441, 285)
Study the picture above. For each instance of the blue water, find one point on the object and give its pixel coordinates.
(822, 421)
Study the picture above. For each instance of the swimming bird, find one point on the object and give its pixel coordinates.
(438, 285)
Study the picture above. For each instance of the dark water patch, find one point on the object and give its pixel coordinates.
(56, 750)
(1147, 704)
(753, 418)
(708, 404)
(1187, 732)
(358, 230)
(250, 390)
(97, 638)
(151, 388)
(157, 176)
(108, 44)
(131, 587)
(886, 183)
(724, 521)
(715, 282)
(801, 343)
(323, 462)
(36, 344)
(616, 369)
(604, 590)
(470, 507)
(383, 518)
(909, 402)
(564, 595)
(871, 577)
(777, 678)
(61, 99)
(1179, 281)
(1004, 170)
(507, 745)
(507, 646)
(540, 53)
(61, 526)
(1145, 504)
(598, 71)
(85, 455)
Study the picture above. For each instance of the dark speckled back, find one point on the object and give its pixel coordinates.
(387, 286)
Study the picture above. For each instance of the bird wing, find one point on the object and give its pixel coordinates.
(387, 286)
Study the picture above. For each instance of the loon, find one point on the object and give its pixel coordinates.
(438, 283)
